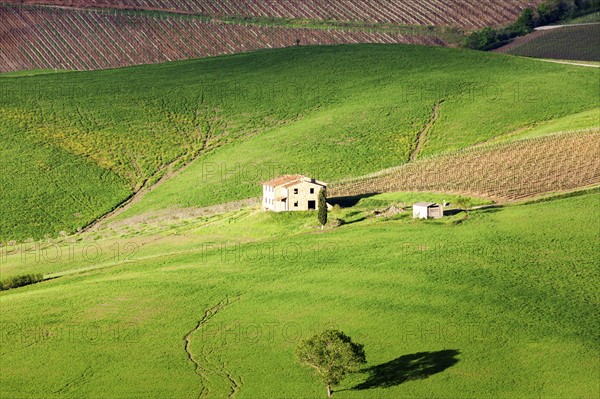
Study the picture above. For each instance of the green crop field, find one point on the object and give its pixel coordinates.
(500, 302)
(581, 121)
(337, 112)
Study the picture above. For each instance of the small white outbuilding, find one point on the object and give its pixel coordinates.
(427, 210)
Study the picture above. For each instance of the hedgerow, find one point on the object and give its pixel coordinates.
(20, 281)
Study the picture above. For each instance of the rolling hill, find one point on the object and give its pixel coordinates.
(458, 13)
(503, 172)
(81, 35)
(336, 112)
(76, 39)
(128, 202)
(500, 302)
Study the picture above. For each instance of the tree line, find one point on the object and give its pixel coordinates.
(547, 12)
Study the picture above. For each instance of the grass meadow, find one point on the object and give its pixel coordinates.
(47, 190)
(581, 121)
(499, 302)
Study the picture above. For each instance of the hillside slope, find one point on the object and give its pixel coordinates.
(333, 112)
(486, 97)
(47, 190)
(458, 13)
(498, 303)
(503, 172)
(578, 42)
(56, 38)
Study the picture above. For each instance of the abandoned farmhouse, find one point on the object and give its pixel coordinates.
(291, 193)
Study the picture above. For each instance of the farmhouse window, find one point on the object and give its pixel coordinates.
(295, 191)
(312, 190)
(295, 204)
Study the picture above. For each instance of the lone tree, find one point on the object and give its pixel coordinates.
(322, 205)
(333, 355)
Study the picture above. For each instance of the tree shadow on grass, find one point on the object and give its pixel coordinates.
(416, 366)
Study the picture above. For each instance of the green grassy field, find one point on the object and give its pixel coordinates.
(378, 129)
(32, 72)
(585, 19)
(47, 190)
(500, 302)
(335, 112)
(581, 121)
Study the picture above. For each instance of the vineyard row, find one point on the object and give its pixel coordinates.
(469, 14)
(42, 38)
(503, 172)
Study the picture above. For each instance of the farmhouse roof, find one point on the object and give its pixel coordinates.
(285, 179)
(305, 180)
(425, 204)
(291, 180)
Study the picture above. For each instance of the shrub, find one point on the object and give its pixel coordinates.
(20, 281)
(547, 12)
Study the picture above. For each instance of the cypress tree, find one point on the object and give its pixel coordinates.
(322, 208)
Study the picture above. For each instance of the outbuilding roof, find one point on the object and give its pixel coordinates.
(425, 204)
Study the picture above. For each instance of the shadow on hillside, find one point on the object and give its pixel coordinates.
(347, 202)
(360, 219)
(493, 208)
(489, 209)
(416, 366)
(452, 212)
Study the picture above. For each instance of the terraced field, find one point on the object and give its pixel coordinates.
(458, 13)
